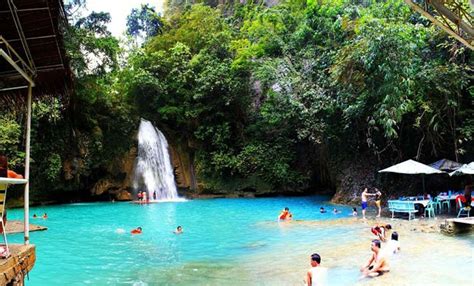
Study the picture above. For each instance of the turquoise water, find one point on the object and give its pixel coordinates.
(226, 241)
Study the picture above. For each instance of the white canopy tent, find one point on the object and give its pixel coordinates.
(412, 167)
(466, 169)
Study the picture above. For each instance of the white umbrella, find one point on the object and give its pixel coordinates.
(466, 169)
(412, 167)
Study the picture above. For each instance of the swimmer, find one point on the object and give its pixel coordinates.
(137, 230)
(35, 216)
(322, 210)
(285, 214)
(179, 230)
(335, 211)
(354, 212)
(381, 231)
(45, 216)
(316, 275)
(377, 264)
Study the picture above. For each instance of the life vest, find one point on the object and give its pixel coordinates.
(284, 215)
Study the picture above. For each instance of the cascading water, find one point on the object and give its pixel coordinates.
(153, 170)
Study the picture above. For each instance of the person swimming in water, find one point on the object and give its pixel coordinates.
(354, 212)
(377, 264)
(322, 210)
(381, 231)
(335, 211)
(35, 216)
(137, 230)
(45, 216)
(285, 214)
(179, 230)
(316, 275)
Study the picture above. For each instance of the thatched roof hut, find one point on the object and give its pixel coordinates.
(31, 34)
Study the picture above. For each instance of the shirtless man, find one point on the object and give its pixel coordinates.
(363, 196)
(377, 264)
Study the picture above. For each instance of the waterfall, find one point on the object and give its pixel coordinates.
(153, 169)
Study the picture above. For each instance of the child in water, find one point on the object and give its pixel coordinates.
(285, 214)
(179, 230)
(137, 230)
(322, 210)
(354, 212)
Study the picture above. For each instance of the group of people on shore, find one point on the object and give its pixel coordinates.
(377, 264)
(381, 248)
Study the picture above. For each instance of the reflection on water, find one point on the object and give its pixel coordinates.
(233, 242)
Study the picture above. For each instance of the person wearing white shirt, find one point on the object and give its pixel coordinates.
(316, 275)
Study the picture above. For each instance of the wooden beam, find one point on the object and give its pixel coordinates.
(444, 11)
(16, 67)
(438, 23)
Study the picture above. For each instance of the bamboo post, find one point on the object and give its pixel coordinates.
(27, 168)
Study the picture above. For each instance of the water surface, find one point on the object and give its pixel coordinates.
(229, 241)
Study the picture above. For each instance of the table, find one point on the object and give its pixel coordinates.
(10, 181)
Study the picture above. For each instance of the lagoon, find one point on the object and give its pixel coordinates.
(229, 241)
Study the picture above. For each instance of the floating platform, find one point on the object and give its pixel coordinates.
(16, 226)
(457, 225)
(14, 268)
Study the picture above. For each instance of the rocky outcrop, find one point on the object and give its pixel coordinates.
(183, 167)
(117, 184)
(351, 177)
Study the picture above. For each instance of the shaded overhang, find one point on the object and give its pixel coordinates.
(32, 49)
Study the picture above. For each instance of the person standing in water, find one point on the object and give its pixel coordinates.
(285, 214)
(154, 195)
(363, 197)
(378, 201)
(316, 275)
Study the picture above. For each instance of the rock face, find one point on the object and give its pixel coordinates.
(117, 184)
(351, 177)
(183, 167)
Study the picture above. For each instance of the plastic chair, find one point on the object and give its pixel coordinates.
(446, 203)
(430, 209)
(437, 204)
(462, 209)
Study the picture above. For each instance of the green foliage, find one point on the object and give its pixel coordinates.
(261, 97)
(10, 134)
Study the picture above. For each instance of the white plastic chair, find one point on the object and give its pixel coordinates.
(462, 209)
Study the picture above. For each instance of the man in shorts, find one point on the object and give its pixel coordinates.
(363, 196)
